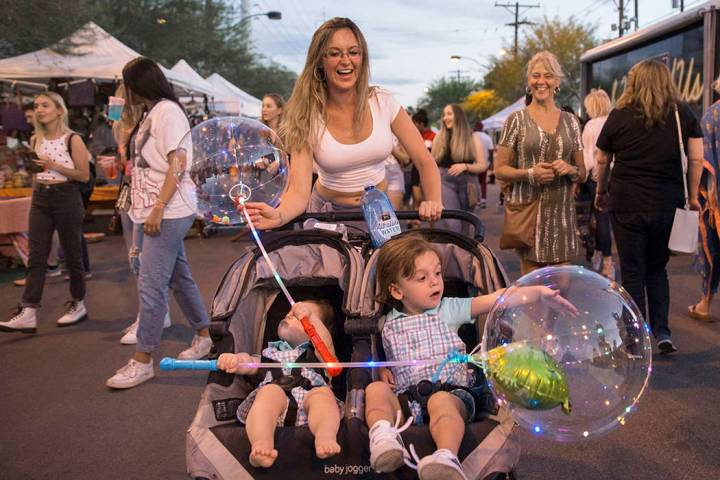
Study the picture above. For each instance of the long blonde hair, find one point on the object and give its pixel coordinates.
(40, 130)
(462, 147)
(299, 129)
(650, 92)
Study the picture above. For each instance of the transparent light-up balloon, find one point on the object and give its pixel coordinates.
(603, 355)
(227, 159)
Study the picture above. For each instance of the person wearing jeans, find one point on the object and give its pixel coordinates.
(641, 137)
(164, 215)
(56, 205)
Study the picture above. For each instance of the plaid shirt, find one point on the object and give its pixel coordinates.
(420, 337)
(283, 352)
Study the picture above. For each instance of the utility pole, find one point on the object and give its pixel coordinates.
(637, 18)
(621, 20)
(516, 7)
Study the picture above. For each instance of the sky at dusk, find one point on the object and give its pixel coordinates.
(410, 42)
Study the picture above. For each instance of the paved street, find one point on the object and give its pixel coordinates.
(59, 421)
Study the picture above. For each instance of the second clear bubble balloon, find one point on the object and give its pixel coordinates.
(230, 159)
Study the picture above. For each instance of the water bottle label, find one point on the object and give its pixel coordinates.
(387, 228)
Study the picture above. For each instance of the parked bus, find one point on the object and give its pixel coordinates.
(687, 42)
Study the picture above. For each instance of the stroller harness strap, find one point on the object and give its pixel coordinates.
(294, 379)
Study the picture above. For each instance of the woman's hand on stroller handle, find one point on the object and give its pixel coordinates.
(386, 376)
(430, 211)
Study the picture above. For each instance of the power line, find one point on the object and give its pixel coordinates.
(516, 24)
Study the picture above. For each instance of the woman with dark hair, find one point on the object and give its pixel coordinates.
(162, 217)
(337, 121)
(640, 137)
(459, 155)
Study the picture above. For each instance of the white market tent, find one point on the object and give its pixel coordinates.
(497, 120)
(231, 99)
(183, 69)
(94, 53)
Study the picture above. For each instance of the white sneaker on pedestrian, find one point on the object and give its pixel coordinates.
(387, 452)
(130, 337)
(199, 348)
(131, 375)
(24, 321)
(441, 465)
(483, 203)
(75, 313)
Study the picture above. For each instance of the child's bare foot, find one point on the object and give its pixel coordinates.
(326, 447)
(263, 454)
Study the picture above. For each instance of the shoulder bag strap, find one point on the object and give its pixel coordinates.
(683, 157)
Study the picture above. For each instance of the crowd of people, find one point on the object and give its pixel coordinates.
(343, 134)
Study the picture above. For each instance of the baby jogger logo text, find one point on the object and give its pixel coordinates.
(347, 469)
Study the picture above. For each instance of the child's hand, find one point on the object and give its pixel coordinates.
(387, 376)
(230, 363)
(300, 310)
(553, 298)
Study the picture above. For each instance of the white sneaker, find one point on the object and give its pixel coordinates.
(130, 337)
(75, 313)
(387, 452)
(199, 348)
(131, 375)
(24, 321)
(441, 465)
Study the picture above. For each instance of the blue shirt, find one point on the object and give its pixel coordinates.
(454, 312)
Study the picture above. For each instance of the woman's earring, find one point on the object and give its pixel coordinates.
(557, 90)
(528, 90)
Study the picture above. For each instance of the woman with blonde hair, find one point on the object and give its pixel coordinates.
(459, 155)
(272, 110)
(598, 106)
(56, 205)
(539, 157)
(708, 256)
(640, 137)
(337, 120)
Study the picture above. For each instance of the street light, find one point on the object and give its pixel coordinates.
(272, 15)
(457, 58)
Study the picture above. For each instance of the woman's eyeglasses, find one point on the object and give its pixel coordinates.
(336, 53)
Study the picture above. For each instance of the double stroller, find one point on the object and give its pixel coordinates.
(323, 264)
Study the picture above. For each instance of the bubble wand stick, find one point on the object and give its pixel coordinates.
(320, 348)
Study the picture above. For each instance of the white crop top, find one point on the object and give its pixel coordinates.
(349, 168)
(57, 151)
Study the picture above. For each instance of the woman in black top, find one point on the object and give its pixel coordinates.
(640, 137)
(459, 155)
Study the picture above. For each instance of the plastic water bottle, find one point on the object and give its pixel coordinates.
(379, 215)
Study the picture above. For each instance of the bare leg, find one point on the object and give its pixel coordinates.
(447, 424)
(527, 266)
(380, 403)
(703, 306)
(269, 404)
(323, 420)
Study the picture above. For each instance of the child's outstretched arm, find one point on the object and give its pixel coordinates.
(483, 303)
(229, 362)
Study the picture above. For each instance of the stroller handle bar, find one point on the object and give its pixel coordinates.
(357, 216)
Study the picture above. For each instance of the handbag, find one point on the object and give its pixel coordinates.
(519, 223)
(686, 224)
